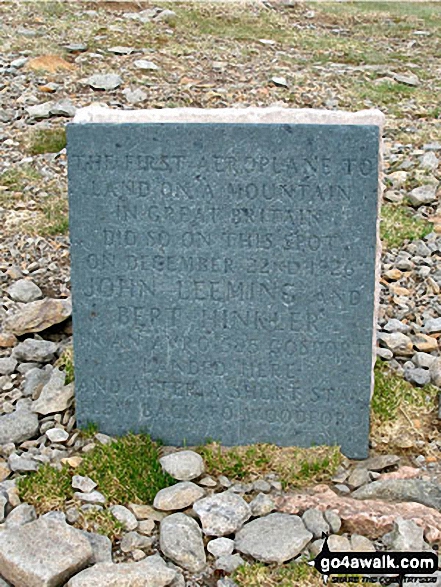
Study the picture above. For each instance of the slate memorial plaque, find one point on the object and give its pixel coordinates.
(224, 274)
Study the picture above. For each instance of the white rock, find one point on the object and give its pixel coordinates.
(40, 351)
(135, 96)
(125, 517)
(178, 497)
(7, 365)
(262, 505)
(145, 65)
(106, 81)
(84, 484)
(134, 541)
(222, 514)
(150, 572)
(101, 547)
(220, 547)
(43, 553)
(405, 536)
(94, 497)
(425, 194)
(184, 465)
(24, 290)
(21, 464)
(228, 563)
(23, 514)
(55, 396)
(57, 435)
(273, 538)
(180, 539)
(120, 50)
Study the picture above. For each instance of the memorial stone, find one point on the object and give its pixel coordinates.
(224, 273)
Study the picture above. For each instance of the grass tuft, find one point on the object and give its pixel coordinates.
(399, 225)
(47, 489)
(48, 140)
(66, 363)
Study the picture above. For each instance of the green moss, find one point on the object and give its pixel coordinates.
(46, 489)
(398, 225)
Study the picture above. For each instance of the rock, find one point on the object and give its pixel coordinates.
(279, 81)
(146, 512)
(55, 396)
(409, 79)
(227, 582)
(146, 527)
(361, 544)
(63, 108)
(134, 541)
(429, 161)
(7, 365)
(262, 505)
(24, 290)
(180, 540)
(273, 538)
(39, 111)
(316, 547)
(338, 543)
(135, 96)
(406, 536)
(105, 81)
(400, 344)
(315, 522)
(84, 484)
(21, 464)
(220, 547)
(432, 325)
(7, 340)
(40, 351)
(76, 47)
(43, 553)
(417, 376)
(184, 465)
(178, 497)
(35, 380)
(55, 515)
(358, 477)
(423, 195)
(228, 563)
(101, 547)
(207, 482)
(222, 513)
(261, 486)
(57, 435)
(415, 490)
(423, 360)
(395, 325)
(435, 372)
(145, 65)
(3, 503)
(18, 426)
(95, 497)
(401, 473)
(425, 343)
(371, 518)
(5, 471)
(381, 462)
(120, 50)
(333, 520)
(168, 16)
(150, 572)
(38, 316)
(125, 517)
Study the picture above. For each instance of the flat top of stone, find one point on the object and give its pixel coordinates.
(253, 115)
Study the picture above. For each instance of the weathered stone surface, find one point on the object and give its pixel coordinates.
(178, 497)
(18, 426)
(361, 544)
(248, 165)
(24, 290)
(104, 81)
(405, 536)
(101, 547)
(180, 540)
(423, 195)
(22, 464)
(21, 515)
(43, 553)
(84, 484)
(220, 547)
(369, 517)
(125, 517)
(273, 538)
(40, 351)
(315, 522)
(415, 490)
(380, 462)
(222, 513)
(7, 365)
(37, 316)
(134, 541)
(338, 543)
(57, 435)
(55, 396)
(262, 505)
(228, 562)
(35, 380)
(150, 572)
(184, 465)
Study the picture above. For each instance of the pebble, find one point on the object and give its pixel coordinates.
(180, 539)
(108, 82)
(222, 514)
(96, 498)
(183, 465)
(228, 563)
(315, 522)
(125, 517)
(423, 195)
(24, 290)
(134, 541)
(145, 65)
(84, 484)
(20, 425)
(57, 435)
(262, 505)
(220, 547)
(31, 349)
(21, 515)
(178, 496)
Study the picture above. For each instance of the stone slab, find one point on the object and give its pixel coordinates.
(224, 273)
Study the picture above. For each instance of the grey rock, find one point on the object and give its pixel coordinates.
(358, 477)
(333, 520)
(72, 515)
(261, 486)
(40, 351)
(273, 538)
(222, 514)
(24, 290)
(39, 111)
(361, 544)
(125, 517)
(423, 360)
(422, 195)
(168, 16)
(55, 396)
(228, 563)
(381, 462)
(279, 81)
(76, 47)
(57, 435)
(63, 108)
(417, 376)
(3, 503)
(18, 426)
(180, 540)
(432, 325)
(120, 50)
(400, 344)
(184, 465)
(21, 464)
(84, 484)
(405, 536)
(95, 497)
(429, 161)
(133, 541)
(394, 325)
(145, 65)
(150, 572)
(43, 553)
(338, 543)
(409, 79)
(315, 522)
(55, 515)
(316, 547)
(7, 365)
(220, 547)
(342, 488)
(424, 492)
(146, 527)
(224, 481)
(435, 372)
(262, 505)
(227, 582)
(105, 81)
(135, 96)
(178, 497)
(35, 379)
(19, 62)
(101, 547)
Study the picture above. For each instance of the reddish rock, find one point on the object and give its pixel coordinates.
(7, 340)
(37, 316)
(402, 473)
(370, 517)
